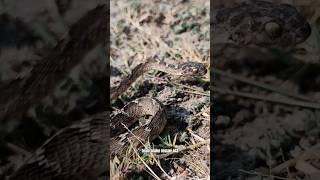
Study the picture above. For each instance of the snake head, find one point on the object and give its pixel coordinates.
(192, 69)
(285, 26)
(264, 24)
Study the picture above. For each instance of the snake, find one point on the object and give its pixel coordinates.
(83, 150)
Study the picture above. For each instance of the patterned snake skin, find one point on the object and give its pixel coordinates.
(81, 151)
(260, 23)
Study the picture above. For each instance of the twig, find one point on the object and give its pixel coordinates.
(285, 165)
(264, 175)
(194, 92)
(290, 102)
(195, 135)
(18, 150)
(261, 85)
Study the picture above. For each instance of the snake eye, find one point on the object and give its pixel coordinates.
(273, 29)
(194, 70)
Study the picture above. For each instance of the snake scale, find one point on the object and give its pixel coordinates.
(81, 151)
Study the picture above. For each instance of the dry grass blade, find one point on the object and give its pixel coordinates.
(136, 152)
(265, 175)
(284, 101)
(261, 85)
(146, 165)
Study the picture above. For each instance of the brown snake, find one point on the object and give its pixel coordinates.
(81, 151)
